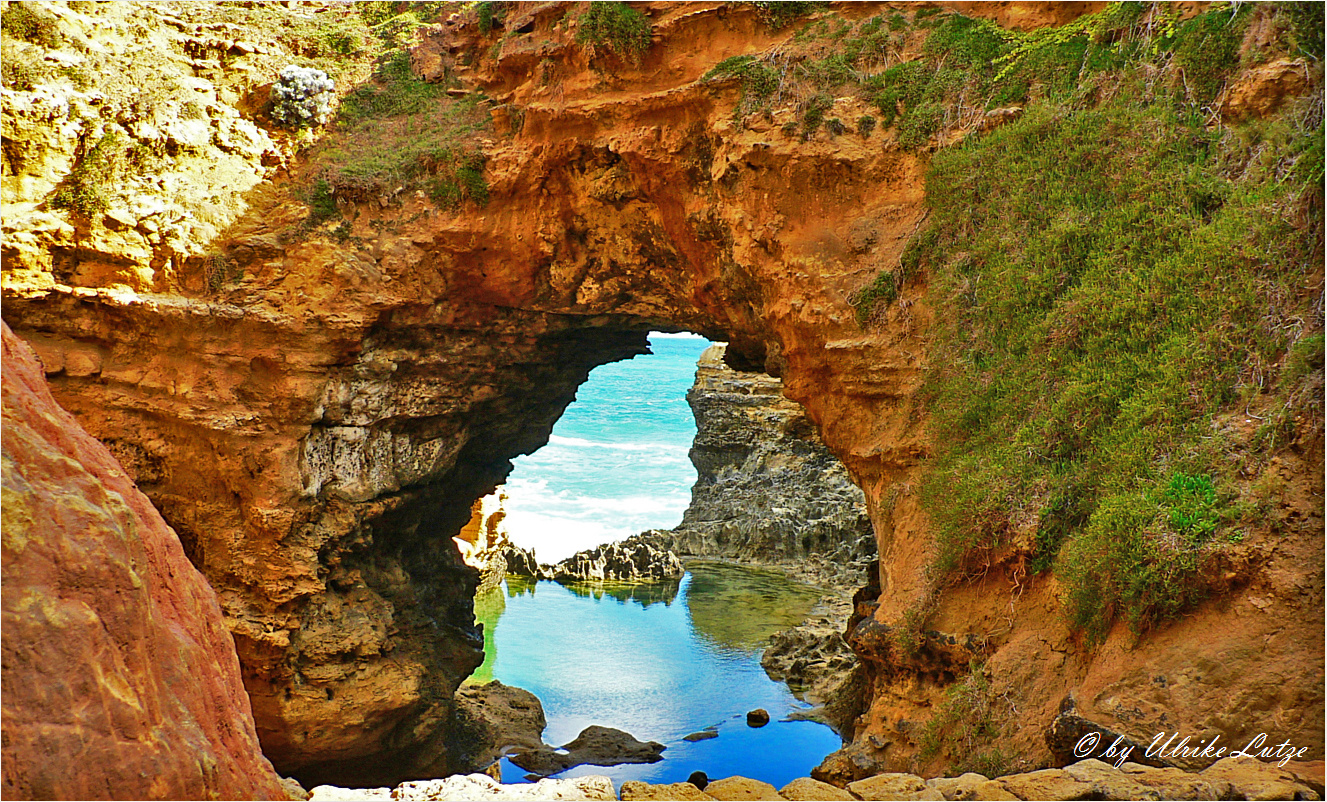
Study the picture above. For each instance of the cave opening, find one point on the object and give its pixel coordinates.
(675, 660)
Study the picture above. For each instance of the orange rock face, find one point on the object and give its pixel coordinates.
(120, 678)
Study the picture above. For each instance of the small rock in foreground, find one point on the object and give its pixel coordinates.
(740, 788)
(636, 790)
(758, 717)
(703, 735)
(472, 787)
(813, 790)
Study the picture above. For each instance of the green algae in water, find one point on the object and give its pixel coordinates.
(739, 608)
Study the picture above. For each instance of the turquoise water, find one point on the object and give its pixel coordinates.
(616, 463)
(659, 662)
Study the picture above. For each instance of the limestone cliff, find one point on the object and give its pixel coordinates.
(314, 381)
(115, 653)
(767, 490)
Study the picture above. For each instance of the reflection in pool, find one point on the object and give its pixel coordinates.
(658, 661)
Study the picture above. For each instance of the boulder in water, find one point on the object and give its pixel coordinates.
(596, 746)
(758, 717)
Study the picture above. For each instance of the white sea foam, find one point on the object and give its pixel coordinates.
(577, 442)
(677, 335)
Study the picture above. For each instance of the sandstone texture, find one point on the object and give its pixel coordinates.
(120, 679)
(734, 788)
(315, 413)
(632, 789)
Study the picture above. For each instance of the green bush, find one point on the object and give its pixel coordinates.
(1206, 50)
(779, 14)
(813, 114)
(615, 26)
(1096, 308)
(489, 12)
(87, 188)
(759, 80)
(865, 125)
(21, 21)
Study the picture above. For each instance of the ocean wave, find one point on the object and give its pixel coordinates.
(677, 335)
(577, 442)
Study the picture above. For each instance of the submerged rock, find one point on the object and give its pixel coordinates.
(595, 746)
(635, 559)
(703, 735)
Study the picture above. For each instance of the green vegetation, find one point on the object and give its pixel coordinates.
(1098, 309)
(760, 81)
(488, 12)
(27, 21)
(967, 725)
(779, 15)
(88, 185)
(396, 132)
(615, 26)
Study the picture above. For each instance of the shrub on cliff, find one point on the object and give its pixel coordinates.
(614, 26)
(1100, 312)
(303, 96)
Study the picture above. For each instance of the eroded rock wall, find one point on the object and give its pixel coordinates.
(120, 678)
(767, 489)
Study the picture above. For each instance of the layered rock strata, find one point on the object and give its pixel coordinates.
(767, 489)
(120, 678)
(316, 424)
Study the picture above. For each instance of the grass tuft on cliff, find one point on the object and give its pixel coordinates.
(395, 132)
(1119, 285)
(616, 27)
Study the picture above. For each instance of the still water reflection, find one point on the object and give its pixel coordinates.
(658, 661)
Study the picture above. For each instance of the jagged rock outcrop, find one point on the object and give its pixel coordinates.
(596, 746)
(636, 559)
(817, 664)
(115, 653)
(315, 412)
(493, 719)
(767, 489)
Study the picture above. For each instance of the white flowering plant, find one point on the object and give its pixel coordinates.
(303, 96)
